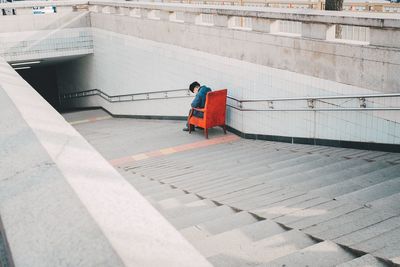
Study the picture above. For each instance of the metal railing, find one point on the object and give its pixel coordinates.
(311, 103)
(303, 4)
(154, 95)
(360, 102)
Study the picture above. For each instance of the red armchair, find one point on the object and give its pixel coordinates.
(214, 112)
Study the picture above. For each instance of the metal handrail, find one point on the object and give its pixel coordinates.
(309, 99)
(132, 97)
(317, 97)
(317, 109)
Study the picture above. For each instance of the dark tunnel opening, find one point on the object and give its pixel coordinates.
(44, 80)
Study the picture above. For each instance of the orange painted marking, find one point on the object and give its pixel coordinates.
(168, 151)
(94, 119)
(176, 149)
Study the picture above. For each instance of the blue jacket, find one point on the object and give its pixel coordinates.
(200, 100)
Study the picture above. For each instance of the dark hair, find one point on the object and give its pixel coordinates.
(193, 85)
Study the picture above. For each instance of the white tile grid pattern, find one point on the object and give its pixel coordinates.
(131, 64)
(45, 43)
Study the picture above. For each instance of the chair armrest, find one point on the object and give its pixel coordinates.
(199, 109)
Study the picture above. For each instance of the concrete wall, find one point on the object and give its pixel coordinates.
(125, 64)
(141, 47)
(314, 51)
(27, 37)
(62, 204)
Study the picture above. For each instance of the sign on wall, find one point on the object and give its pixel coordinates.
(37, 10)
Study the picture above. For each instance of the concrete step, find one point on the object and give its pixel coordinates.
(189, 208)
(257, 168)
(221, 170)
(200, 217)
(143, 183)
(364, 261)
(303, 164)
(233, 239)
(133, 167)
(318, 214)
(222, 158)
(243, 157)
(358, 153)
(133, 177)
(390, 252)
(368, 232)
(263, 251)
(291, 180)
(348, 223)
(144, 164)
(323, 254)
(387, 203)
(217, 226)
(358, 183)
(343, 152)
(212, 151)
(308, 212)
(390, 157)
(288, 206)
(164, 195)
(373, 192)
(266, 199)
(385, 245)
(266, 190)
(223, 185)
(154, 189)
(176, 173)
(229, 184)
(176, 202)
(245, 192)
(171, 171)
(341, 175)
(372, 219)
(215, 182)
(331, 166)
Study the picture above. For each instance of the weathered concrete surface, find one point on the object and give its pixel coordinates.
(62, 204)
(280, 208)
(45, 223)
(376, 64)
(42, 37)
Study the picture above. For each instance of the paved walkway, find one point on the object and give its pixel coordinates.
(257, 203)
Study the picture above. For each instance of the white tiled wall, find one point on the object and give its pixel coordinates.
(123, 64)
(18, 46)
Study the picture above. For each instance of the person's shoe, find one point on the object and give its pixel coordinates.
(186, 129)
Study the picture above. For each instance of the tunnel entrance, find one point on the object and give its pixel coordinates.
(44, 80)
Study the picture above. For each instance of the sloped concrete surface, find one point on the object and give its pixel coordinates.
(258, 203)
(63, 204)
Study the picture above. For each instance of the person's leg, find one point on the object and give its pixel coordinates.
(186, 129)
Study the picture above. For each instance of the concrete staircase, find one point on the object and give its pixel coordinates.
(255, 203)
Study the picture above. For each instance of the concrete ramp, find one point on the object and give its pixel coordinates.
(63, 204)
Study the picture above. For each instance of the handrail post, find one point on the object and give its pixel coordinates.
(311, 103)
(363, 103)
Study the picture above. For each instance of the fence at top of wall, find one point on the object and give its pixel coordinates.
(389, 7)
(318, 4)
(373, 29)
(356, 28)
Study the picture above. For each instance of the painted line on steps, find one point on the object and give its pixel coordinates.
(94, 119)
(172, 150)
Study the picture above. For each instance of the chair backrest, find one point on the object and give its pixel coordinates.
(215, 108)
